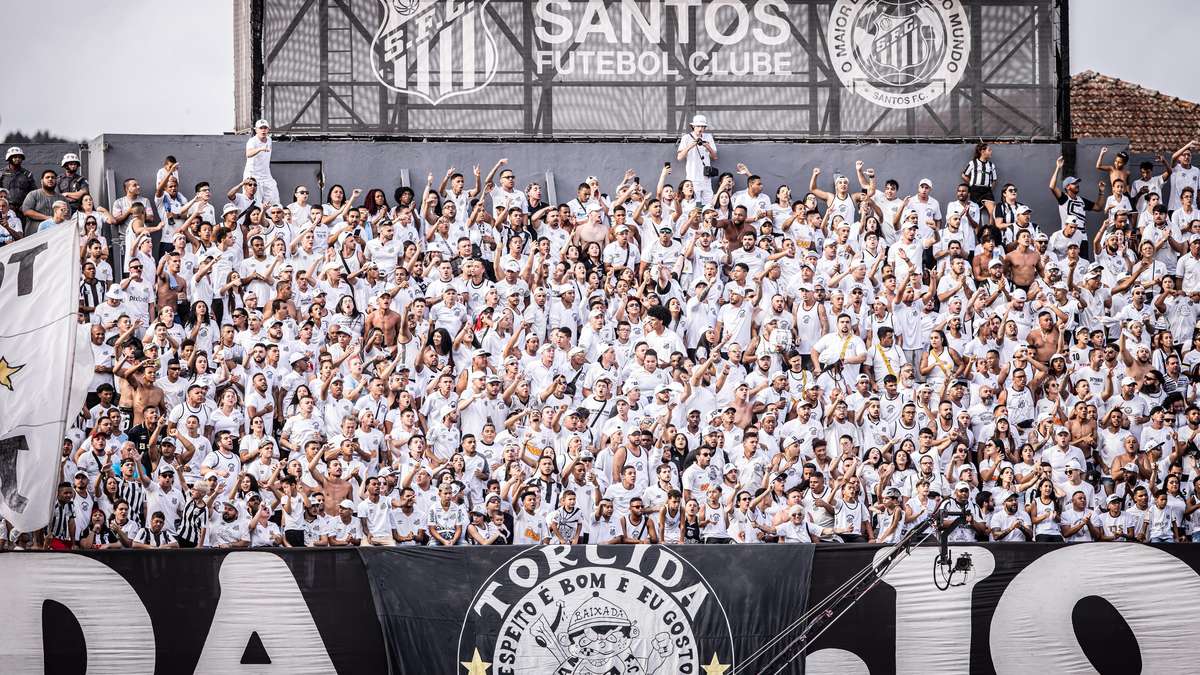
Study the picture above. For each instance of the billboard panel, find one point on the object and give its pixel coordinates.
(763, 69)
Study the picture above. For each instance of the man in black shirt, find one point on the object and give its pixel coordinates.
(146, 434)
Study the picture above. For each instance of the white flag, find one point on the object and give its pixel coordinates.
(39, 335)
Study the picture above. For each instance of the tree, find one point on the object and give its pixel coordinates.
(39, 136)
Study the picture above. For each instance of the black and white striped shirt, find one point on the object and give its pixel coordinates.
(194, 515)
(91, 293)
(980, 173)
(133, 492)
(60, 522)
(156, 539)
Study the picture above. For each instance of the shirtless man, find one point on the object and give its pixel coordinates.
(742, 403)
(1137, 364)
(1023, 265)
(142, 391)
(171, 287)
(384, 319)
(1045, 340)
(333, 485)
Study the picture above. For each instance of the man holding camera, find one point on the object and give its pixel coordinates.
(700, 151)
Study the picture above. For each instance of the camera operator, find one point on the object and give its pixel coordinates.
(700, 150)
(957, 519)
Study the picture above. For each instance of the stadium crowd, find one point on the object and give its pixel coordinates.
(689, 358)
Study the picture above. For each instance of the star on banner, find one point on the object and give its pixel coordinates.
(715, 667)
(6, 373)
(476, 666)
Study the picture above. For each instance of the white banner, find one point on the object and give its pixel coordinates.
(39, 332)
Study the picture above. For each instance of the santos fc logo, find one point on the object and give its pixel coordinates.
(434, 49)
(585, 610)
(899, 53)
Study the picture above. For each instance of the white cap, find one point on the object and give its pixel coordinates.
(962, 485)
(700, 121)
(925, 181)
(346, 504)
(262, 123)
(1073, 465)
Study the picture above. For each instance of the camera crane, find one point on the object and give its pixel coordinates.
(804, 631)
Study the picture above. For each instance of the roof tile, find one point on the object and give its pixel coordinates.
(1108, 107)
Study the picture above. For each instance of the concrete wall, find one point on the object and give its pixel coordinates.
(42, 156)
(368, 164)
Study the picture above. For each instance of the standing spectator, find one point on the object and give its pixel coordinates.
(699, 149)
(258, 162)
(39, 204)
(980, 176)
(123, 214)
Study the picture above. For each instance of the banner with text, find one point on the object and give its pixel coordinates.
(45, 366)
(1022, 608)
(769, 69)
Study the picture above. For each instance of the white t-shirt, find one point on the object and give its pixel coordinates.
(258, 166)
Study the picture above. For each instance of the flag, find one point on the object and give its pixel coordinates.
(40, 344)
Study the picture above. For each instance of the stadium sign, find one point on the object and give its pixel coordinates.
(899, 53)
(834, 69)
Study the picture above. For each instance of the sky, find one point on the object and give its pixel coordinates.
(165, 66)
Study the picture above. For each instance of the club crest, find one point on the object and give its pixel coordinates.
(434, 49)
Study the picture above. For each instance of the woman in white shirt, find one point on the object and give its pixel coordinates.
(1044, 513)
(229, 415)
(202, 329)
(714, 519)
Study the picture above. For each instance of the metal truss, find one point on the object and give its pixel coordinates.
(313, 77)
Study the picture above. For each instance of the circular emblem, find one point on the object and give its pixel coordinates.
(632, 610)
(899, 53)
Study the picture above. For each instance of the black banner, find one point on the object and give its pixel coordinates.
(560, 609)
(1021, 608)
(759, 69)
(1024, 608)
(201, 611)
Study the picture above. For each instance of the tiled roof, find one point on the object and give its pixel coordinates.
(1108, 107)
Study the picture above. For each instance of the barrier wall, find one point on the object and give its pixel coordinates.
(687, 609)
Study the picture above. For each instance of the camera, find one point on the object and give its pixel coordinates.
(710, 171)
